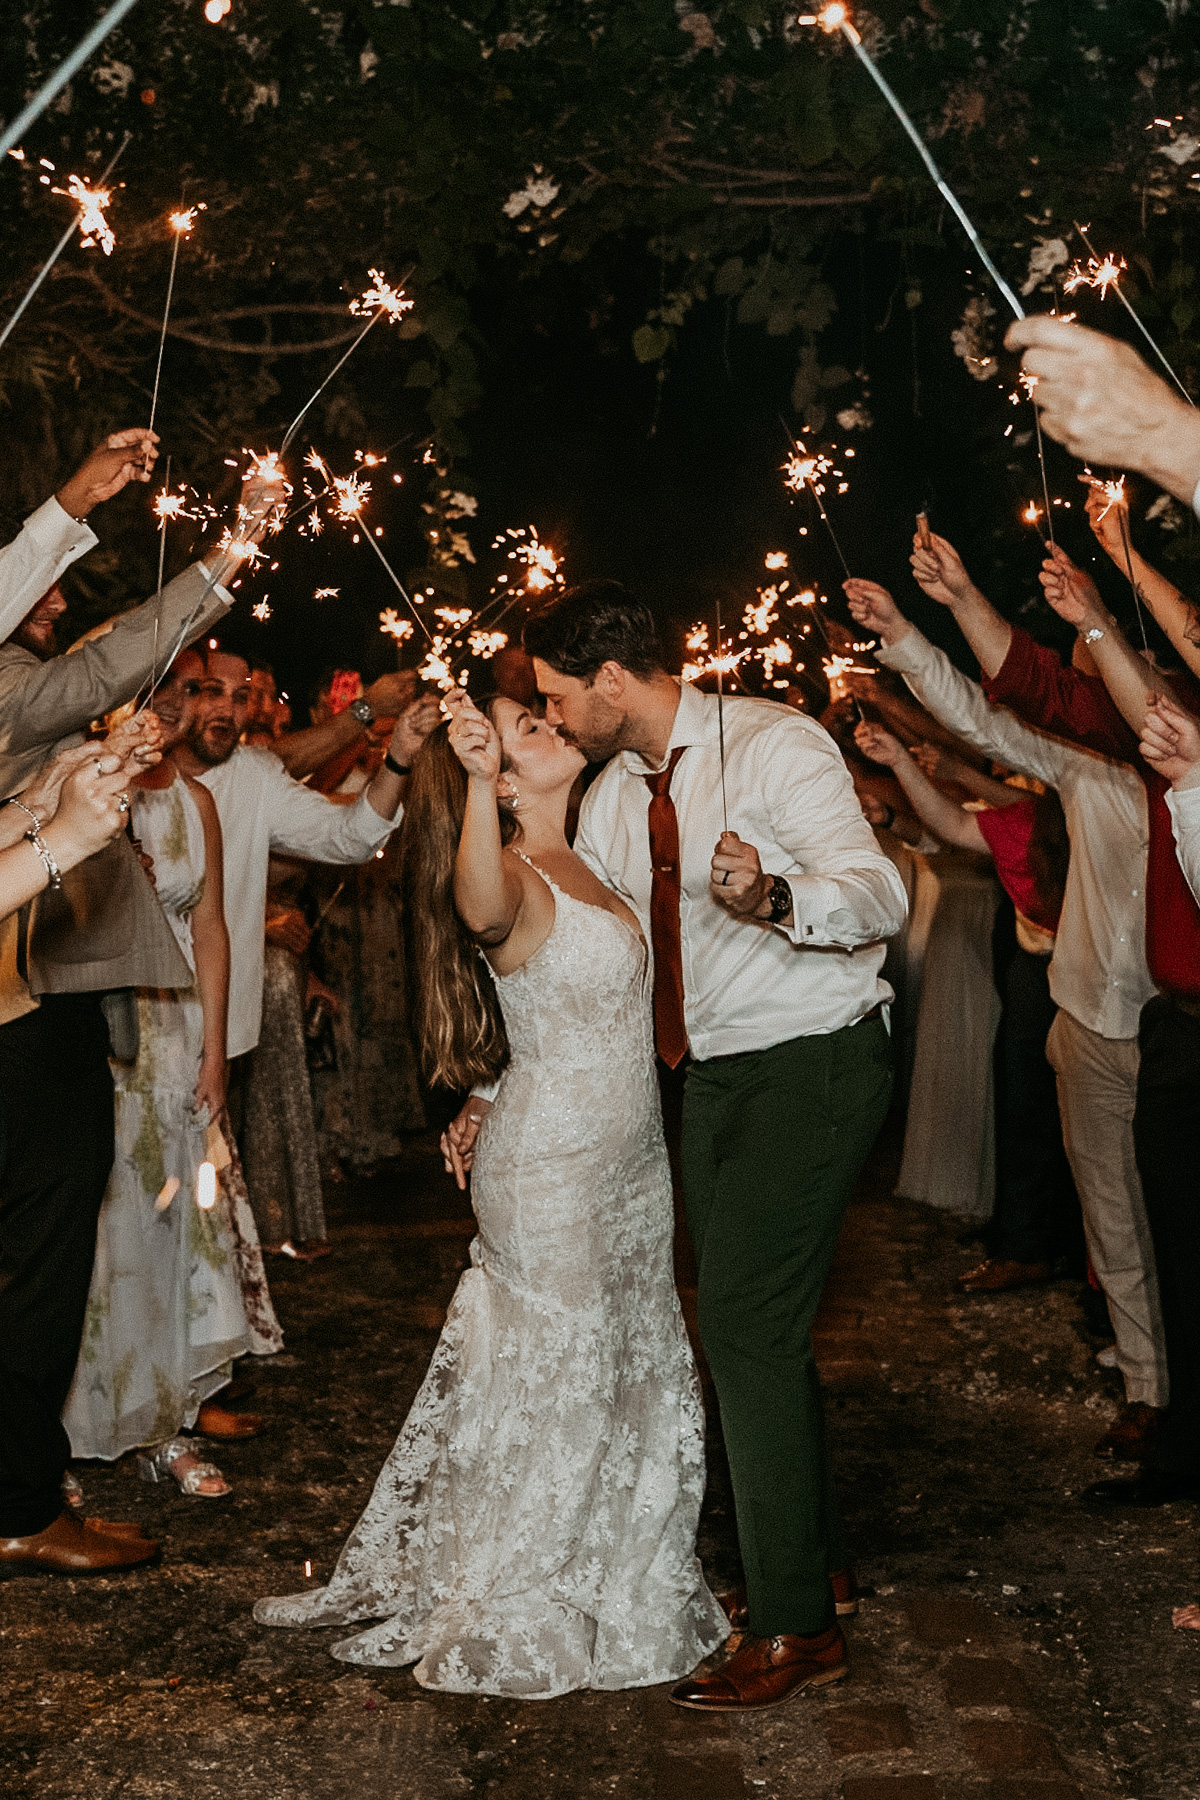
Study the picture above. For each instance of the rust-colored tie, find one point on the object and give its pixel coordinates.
(670, 1032)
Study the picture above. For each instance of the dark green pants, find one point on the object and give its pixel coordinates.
(773, 1141)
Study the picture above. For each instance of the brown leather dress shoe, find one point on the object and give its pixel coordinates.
(995, 1277)
(845, 1598)
(1128, 1437)
(217, 1422)
(71, 1547)
(766, 1672)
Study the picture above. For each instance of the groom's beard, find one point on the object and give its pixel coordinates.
(601, 737)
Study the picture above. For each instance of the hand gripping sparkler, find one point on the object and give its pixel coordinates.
(1111, 281)
(721, 716)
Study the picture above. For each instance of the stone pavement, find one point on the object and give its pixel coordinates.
(1010, 1646)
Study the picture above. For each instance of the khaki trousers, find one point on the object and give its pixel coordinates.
(1097, 1087)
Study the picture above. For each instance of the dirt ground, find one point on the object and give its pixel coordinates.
(1011, 1645)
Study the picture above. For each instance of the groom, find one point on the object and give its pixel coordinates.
(768, 939)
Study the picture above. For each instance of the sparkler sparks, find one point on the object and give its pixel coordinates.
(183, 222)
(775, 559)
(1100, 275)
(392, 625)
(381, 298)
(260, 610)
(331, 593)
(94, 228)
(1103, 273)
(485, 644)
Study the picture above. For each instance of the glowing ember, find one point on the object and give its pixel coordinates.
(776, 559)
(94, 228)
(328, 594)
(260, 610)
(485, 644)
(1100, 274)
(172, 506)
(182, 222)
(759, 619)
(351, 491)
(215, 10)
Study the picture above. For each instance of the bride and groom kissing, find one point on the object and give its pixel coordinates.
(533, 1530)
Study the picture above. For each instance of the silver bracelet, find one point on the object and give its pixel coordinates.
(27, 810)
(53, 872)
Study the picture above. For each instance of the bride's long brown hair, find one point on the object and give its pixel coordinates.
(456, 1015)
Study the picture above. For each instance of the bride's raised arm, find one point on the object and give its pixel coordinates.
(488, 890)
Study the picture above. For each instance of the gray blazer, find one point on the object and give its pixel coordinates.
(104, 928)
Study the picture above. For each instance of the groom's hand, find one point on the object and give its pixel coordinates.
(737, 882)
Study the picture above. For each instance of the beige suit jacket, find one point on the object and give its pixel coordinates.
(104, 928)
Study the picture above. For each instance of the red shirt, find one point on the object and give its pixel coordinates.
(1008, 832)
(1046, 692)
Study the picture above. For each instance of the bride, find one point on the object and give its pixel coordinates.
(533, 1530)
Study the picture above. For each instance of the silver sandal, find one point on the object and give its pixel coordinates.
(159, 1463)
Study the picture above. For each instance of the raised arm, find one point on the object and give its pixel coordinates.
(303, 752)
(1129, 678)
(1178, 617)
(495, 900)
(940, 573)
(942, 816)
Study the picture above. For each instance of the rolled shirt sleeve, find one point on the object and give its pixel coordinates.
(48, 543)
(304, 823)
(1183, 802)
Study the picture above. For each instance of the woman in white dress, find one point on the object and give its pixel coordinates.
(533, 1530)
(165, 1315)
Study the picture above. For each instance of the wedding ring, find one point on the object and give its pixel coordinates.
(725, 878)
(123, 803)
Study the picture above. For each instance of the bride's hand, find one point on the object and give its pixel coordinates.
(473, 737)
(458, 1139)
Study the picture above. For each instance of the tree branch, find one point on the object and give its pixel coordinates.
(180, 330)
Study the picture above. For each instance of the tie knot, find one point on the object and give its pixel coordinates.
(661, 783)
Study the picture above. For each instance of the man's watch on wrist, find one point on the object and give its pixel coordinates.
(779, 896)
(363, 711)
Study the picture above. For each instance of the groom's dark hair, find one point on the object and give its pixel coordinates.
(591, 624)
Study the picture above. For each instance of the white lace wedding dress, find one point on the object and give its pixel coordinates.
(533, 1531)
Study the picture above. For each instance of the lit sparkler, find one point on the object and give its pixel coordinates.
(67, 235)
(485, 644)
(392, 625)
(181, 223)
(835, 17)
(1103, 273)
(381, 300)
(807, 470)
(261, 610)
(330, 593)
(93, 227)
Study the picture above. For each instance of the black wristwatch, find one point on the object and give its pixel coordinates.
(780, 895)
(389, 762)
(363, 711)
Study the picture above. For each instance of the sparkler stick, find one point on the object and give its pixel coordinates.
(801, 475)
(389, 301)
(721, 715)
(1137, 603)
(181, 225)
(90, 41)
(62, 243)
(834, 18)
(1116, 287)
(163, 515)
(1045, 485)
(399, 585)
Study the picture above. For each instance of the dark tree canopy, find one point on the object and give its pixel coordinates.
(635, 179)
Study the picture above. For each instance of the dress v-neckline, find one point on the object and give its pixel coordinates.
(591, 905)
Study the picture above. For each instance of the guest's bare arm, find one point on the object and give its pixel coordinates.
(943, 816)
(1129, 678)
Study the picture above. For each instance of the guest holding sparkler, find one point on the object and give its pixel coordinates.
(1105, 713)
(55, 536)
(768, 978)
(100, 929)
(1098, 979)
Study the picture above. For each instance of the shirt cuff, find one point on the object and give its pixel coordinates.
(378, 829)
(1196, 500)
(818, 915)
(907, 655)
(57, 533)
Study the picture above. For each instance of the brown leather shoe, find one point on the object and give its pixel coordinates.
(845, 1598)
(1128, 1437)
(766, 1672)
(118, 1528)
(71, 1547)
(994, 1277)
(216, 1422)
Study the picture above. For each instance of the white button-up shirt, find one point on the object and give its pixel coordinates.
(262, 809)
(1098, 971)
(748, 985)
(1184, 805)
(49, 542)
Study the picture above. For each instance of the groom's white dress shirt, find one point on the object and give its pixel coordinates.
(48, 542)
(749, 985)
(262, 809)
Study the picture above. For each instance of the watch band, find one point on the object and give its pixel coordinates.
(781, 900)
(389, 762)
